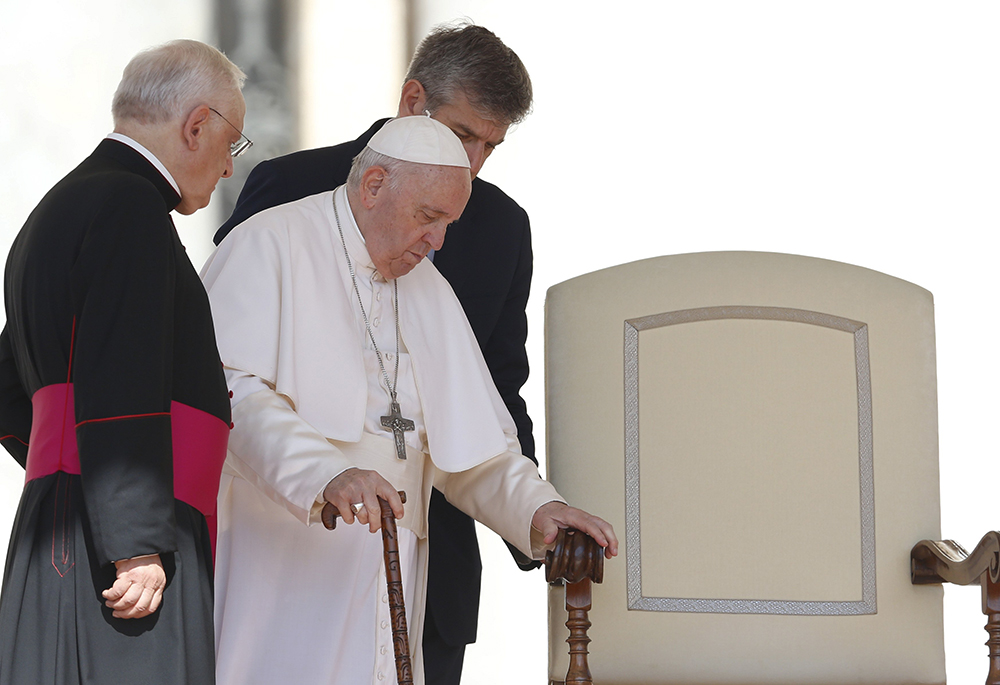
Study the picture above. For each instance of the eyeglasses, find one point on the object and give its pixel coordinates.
(240, 146)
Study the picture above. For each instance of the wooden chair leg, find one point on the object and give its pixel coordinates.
(579, 561)
(578, 604)
(991, 607)
(945, 561)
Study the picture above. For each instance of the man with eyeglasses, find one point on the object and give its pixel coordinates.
(112, 393)
(465, 77)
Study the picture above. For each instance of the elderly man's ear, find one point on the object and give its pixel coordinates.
(412, 98)
(195, 125)
(373, 180)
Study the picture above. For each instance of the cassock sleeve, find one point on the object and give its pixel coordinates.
(15, 405)
(121, 368)
(503, 493)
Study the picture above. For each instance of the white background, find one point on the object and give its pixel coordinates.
(865, 132)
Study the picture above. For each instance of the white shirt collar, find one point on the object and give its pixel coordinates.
(353, 237)
(135, 145)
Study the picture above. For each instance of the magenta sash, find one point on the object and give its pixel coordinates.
(199, 447)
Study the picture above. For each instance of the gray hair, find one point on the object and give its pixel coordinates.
(395, 169)
(167, 81)
(472, 60)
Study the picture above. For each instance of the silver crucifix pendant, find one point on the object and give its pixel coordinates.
(398, 424)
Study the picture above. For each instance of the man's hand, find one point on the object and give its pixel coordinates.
(549, 518)
(138, 589)
(355, 486)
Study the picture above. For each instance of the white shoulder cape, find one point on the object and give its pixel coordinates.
(282, 304)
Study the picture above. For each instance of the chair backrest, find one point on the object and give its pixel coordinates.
(761, 429)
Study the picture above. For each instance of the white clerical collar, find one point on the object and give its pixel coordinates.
(353, 237)
(138, 147)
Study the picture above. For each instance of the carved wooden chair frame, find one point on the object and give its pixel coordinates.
(577, 561)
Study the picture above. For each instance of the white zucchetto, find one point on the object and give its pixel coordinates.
(419, 139)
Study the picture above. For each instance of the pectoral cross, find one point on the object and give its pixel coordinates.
(399, 425)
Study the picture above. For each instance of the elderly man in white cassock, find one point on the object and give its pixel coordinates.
(331, 324)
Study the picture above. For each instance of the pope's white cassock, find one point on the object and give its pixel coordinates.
(296, 603)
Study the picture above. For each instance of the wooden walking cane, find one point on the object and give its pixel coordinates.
(393, 582)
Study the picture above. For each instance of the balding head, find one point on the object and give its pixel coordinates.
(182, 101)
(165, 82)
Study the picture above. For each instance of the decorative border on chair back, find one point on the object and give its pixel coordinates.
(636, 600)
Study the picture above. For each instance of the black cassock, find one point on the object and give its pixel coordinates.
(112, 395)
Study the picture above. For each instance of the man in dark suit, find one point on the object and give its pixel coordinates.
(112, 394)
(466, 78)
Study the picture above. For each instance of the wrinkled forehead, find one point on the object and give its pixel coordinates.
(470, 101)
(444, 189)
(438, 175)
(458, 180)
(456, 174)
(467, 121)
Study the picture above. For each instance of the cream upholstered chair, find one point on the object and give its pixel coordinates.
(761, 429)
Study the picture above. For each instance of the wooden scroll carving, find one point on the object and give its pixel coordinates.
(393, 582)
(945, 561)
(578, 560)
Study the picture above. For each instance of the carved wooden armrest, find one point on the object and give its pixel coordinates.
(578, 560)
(945, 561)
